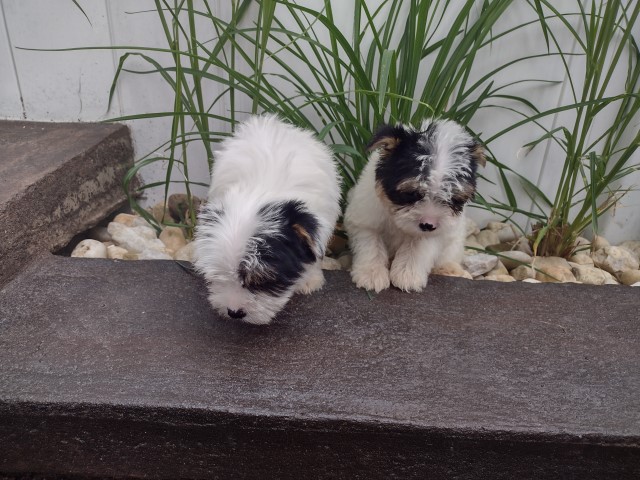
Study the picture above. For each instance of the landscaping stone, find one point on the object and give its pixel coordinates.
(104, 376)
(472, 246)
(495, 226)
(116, 253)
(514, 258)
(546, 262)
(500, 247)
(522, 245)
(499, 269)
(479, 264)
(173, 238)
(629, 277)
(582, 242)
(599, 242)
(471, 227)
(499, 278)
(552, 269)
(509, 234)
(160, 212)
(581, 258)
(487, 237)
(505, 232)
(145, 231)
(589, 274)
(135, 239)
(530, 280)
(185, 253)
(523, 272)
(553, 274)
(609, 279)
(125, 219)
(153, 254)
(57, 180)
(90, 249)
(633, 246)
(139, 221)
(179, 206)
(615, 259)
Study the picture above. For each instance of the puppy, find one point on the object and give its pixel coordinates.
(272, 207)
(407, 208)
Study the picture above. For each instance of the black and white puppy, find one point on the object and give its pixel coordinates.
(272, 208)
(405, 215)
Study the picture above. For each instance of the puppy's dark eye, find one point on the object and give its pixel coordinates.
(457, 204)
(409, 196)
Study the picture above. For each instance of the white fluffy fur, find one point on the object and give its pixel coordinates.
(387, 244)
(266, 161)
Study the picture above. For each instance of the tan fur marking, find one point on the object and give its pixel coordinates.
(256, 277)
(467, 192)
(303, 234)
(478, 155)
(387, 144)
(409, 186)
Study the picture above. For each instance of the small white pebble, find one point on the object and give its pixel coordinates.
(90, 249)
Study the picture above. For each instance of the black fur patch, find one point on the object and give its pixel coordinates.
(401, 164)
(209, 215)
(463, 196)
(282, 257)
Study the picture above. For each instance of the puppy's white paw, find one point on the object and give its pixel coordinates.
(408, 279)
(312, 281)
(371, 277)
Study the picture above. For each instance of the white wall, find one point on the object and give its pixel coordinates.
(74, 86)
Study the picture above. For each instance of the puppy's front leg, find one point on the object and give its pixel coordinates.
(312, 279)
(370, 260)
(412, 264)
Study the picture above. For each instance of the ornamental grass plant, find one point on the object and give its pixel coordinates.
(400, 61)
(597, 130)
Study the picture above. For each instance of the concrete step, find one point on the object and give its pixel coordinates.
(56, 180)
(120, 369)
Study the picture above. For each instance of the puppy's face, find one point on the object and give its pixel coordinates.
(252, 266)
(425, 176)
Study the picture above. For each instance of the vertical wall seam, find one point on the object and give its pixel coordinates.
(13, 59)
(113, 56)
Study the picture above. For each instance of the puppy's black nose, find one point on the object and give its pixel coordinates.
(236, 313)
(427, 227)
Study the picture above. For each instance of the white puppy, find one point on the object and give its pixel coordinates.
(405, 215)
(272, 207)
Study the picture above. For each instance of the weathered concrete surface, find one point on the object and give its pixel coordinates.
(121, 369)
(56, 180)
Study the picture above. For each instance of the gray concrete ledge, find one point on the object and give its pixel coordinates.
(120, 369)
(56, 180)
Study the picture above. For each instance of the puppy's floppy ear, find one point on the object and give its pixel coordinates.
(304, 228)
(477, 153)
(386, 138)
